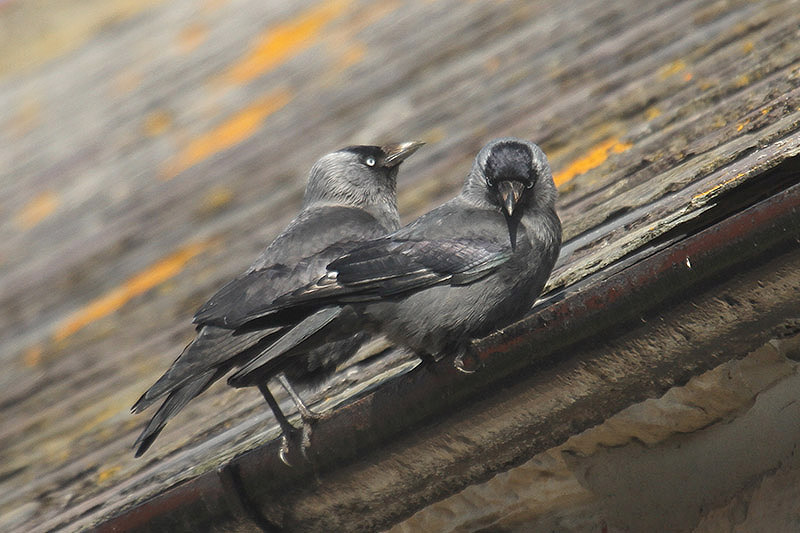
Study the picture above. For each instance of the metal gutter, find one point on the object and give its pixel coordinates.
(625, 334)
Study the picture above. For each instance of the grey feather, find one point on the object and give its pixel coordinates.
(468, 267)
(350, 197)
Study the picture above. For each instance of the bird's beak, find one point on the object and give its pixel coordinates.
(396, 153)
(510, 193)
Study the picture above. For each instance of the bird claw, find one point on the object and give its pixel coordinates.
(459, 364)
(284, 451)
(302, 441)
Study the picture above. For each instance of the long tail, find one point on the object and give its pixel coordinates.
(176, 401)
(213, 348)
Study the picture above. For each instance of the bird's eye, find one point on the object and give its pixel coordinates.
(529, 185)
(370, 161)
(489, 182)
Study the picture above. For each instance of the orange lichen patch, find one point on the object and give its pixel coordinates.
(32, 356)
(707, 84)
(37, 210)
(596, 157)
(107, 473)
(27, 116)
(492, 64)
(341, 42)
(156, 122)
(652, 112)
(352, 55)
(231, 132)
(747, 47)
(740, 126)
(743, 80)
(191, 37)
(688, 76)
(280, 43)
(126, 81)
(716, 188)
(672, 69)
(217, 198)
(113, 300)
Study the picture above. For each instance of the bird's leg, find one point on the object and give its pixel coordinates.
(305, 412)
(308, 416)
(287, 429)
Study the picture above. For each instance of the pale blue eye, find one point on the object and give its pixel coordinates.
(370, 162)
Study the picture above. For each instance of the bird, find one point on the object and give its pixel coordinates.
(468, 267)
(350, 196)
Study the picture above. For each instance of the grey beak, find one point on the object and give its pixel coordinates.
(396, 153)
(510, 193)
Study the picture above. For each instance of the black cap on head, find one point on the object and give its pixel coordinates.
(510, 161)
(388, 155)
(365, 152)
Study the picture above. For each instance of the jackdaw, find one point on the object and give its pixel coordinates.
(470, 266)
(350, 197)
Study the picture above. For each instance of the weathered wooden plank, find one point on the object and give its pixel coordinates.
(649, 114)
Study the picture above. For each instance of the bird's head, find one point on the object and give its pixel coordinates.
(511, 173)
(360, 176)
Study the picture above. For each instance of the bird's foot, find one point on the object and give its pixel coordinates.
(283, 453)
(464, 367)
(309, 417)
(294, 441)
(298, 439)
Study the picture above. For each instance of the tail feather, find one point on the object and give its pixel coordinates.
(176, 401)
(213, 347)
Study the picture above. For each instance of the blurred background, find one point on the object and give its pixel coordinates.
(150, 149)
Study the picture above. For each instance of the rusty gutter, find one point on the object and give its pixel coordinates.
(572, 329)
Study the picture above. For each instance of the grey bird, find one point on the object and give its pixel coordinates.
(350, 197)
(470, 266)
